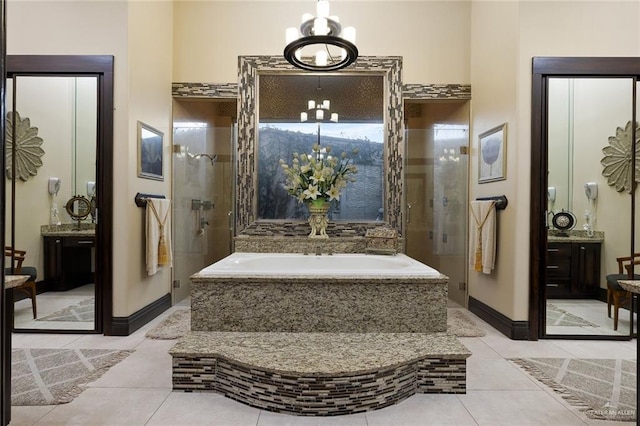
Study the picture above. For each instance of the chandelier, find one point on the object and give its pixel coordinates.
(334, 46)
(319, 112)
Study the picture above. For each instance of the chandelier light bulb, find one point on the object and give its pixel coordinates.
(326, 104)
(291, 34)
(334, 117)
(321, 58)
(349, 34)
(319, 114)
(322, 9)
(320, 27)
(312, 104)
(303, 117)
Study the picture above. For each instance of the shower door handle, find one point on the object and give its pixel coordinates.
(230, 218)
(409, 212)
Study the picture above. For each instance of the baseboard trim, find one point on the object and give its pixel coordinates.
(124, 326)
(515, 330)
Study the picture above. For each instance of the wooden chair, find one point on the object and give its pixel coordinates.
(615, 293)
(29, 287)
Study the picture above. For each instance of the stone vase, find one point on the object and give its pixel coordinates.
(318, 219)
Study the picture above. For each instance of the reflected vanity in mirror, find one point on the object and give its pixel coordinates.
(578, 114)
(68, 100)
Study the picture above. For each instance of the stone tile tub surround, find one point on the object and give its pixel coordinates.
(342, 293)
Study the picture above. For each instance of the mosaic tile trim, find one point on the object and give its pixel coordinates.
(205, 90)
(436, 91)
(318, 395)
(299, 228)
(250, 66)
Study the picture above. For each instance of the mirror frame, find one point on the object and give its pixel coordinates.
(70, 207)
(250, 68)
(543, 68)
(101, 66)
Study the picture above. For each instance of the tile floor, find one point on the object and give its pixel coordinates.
(50, 302)
(595, 312)
(137, 391)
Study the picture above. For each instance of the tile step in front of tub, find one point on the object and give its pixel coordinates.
(319, 374)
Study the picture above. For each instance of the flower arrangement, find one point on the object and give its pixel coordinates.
(319, 176)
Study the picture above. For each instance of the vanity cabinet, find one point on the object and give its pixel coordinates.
(573, 270)
(68, 261)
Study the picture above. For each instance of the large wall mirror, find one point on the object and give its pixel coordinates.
(58, 180)
(583, 196)
(368, 101)
(288, 128)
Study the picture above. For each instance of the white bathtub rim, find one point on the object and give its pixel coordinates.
(415, 270)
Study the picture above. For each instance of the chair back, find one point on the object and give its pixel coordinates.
(16, 258)
(626, 263)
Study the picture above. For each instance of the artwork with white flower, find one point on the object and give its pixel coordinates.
(492, 154)
(28, 147)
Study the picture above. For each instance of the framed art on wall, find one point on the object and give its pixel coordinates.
(150, 152)
(492, 147)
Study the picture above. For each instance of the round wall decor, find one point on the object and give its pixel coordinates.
(27, 147)
(617, 159)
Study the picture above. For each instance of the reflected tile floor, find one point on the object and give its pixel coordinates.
(137, 391)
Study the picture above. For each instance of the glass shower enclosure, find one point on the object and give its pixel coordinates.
(203, 188)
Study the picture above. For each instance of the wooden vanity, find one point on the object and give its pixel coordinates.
(573, 266)
(68, 256)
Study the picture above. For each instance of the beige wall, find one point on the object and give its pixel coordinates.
(139, 36)
(431, 36)
(494, 83)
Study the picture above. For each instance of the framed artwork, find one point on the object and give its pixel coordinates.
(150, 152)
(492, 155)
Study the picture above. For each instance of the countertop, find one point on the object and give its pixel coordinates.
(334, 353)
(630, 285)
(574, 236)
(68, 230)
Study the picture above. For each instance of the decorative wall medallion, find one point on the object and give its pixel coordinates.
(27, 147)
(617, 159)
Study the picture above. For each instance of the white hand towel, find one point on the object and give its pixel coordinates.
(158, 224)
(482, 230)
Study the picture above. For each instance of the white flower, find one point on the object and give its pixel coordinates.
(311, 192)
(317, 176)
(333, 193)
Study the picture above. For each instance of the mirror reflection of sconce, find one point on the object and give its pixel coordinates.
(54, 185)
(91, 189)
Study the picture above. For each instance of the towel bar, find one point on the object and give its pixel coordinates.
(141, 199)
(501, 201)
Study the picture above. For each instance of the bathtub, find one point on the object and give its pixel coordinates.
(341, 293)
(301, 265)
